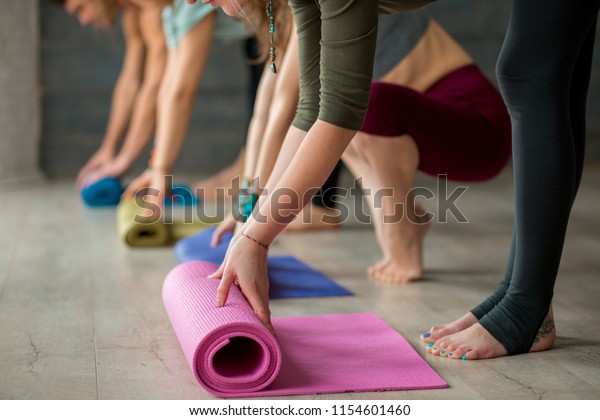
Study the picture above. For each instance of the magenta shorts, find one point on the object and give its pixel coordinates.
(461, 125)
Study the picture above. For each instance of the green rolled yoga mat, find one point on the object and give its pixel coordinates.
(139, 234)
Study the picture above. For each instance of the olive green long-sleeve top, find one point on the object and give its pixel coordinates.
(337, 40)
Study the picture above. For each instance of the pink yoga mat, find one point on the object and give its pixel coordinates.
(233, 355)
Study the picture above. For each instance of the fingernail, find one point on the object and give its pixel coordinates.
(464, 357)
(426, 335)
(219, 304)
(450, 354)
(443, 352)
(435, 348)
(429, 344)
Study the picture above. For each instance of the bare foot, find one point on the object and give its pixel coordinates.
(402, 245)
(314, 218)
(472, 343)
(438, 331)
(475, 342)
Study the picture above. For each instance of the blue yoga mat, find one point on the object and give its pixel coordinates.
(183, 195)
(107, 193)
(103, 193)
(289, 277)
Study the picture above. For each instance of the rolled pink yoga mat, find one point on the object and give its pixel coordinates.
(233, 355)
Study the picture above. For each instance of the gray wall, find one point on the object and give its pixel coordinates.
(19, 90)
(80, 65)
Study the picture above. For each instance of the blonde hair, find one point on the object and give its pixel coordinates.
(255, 11)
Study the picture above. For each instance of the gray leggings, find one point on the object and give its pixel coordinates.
(544, 72)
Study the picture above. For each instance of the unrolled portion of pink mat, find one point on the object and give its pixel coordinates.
(233, 355)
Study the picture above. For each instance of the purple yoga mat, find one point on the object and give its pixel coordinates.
(289, 277)
(233, 355)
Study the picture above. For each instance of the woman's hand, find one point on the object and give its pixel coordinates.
(102, 157)
(114, 168)
(246, 265)
(153, 184)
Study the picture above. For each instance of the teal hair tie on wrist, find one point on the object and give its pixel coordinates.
(247, 205)
(246, 202)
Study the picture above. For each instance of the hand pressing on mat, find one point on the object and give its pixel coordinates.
(152, 185)
(98, 159)
(245, 264)
(115, 168)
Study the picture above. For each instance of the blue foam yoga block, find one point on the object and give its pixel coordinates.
(288, 276)
(103, 193)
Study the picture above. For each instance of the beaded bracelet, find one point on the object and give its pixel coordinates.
(257, 242)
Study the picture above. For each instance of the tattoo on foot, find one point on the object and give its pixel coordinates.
(546, 328)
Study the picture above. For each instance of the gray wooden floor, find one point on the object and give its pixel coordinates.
(81, 315)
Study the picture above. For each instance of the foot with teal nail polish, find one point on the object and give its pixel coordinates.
(439, 331)
(476, 342)
(472, 343)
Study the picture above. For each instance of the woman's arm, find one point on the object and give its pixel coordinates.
(281, 112)
(336, 51)
(260, 119)
(246, 259)
(144, 115)
(176, 100)
(124, 94)
(271, 119)
(312, 157)
(179, 93)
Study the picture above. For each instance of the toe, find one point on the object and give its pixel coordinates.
(457, 353)
(427, 337)
(470, 355)
(377, 273)
(442, 343)
(451, 347)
